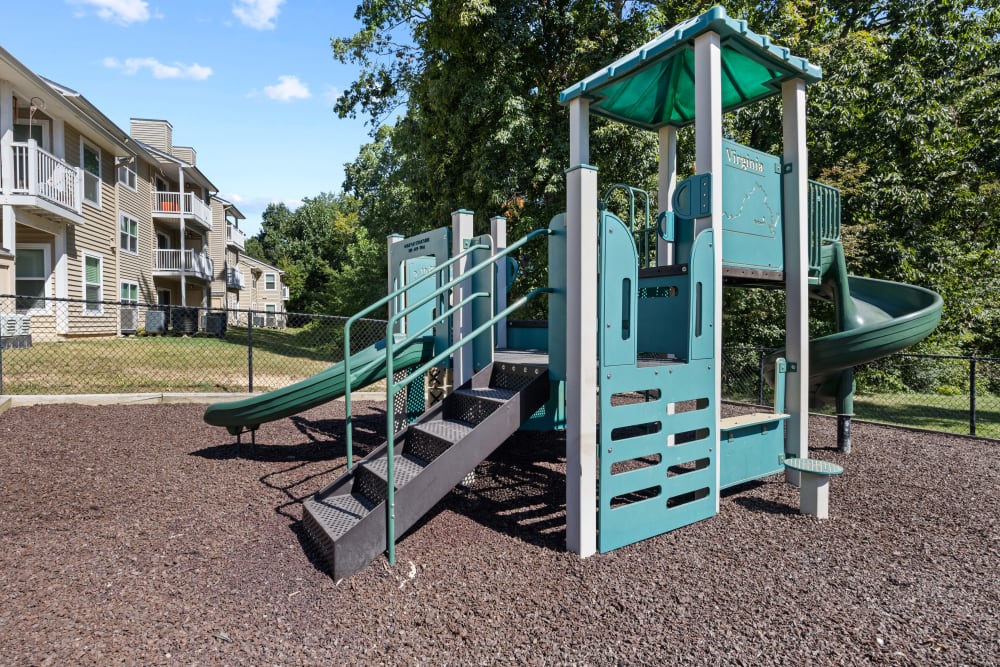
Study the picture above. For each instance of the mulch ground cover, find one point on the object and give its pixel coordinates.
(138, 535)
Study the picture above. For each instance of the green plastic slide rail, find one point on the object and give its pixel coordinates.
(484, 324)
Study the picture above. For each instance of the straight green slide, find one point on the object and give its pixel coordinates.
(367, 366)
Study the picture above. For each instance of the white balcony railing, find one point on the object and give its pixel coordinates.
(235, 279)
(235, 236)
(284, 293)
(169, 204)
(187, 261)
(41, 174)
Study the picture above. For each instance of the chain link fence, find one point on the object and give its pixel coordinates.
(956, 394)
(70, 346)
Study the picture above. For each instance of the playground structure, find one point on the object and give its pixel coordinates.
(629, 363)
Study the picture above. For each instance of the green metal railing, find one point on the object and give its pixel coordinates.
(485, 324)
(641, 234)
(824, 221)
(393, 296)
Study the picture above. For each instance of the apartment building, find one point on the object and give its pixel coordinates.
(92, 213)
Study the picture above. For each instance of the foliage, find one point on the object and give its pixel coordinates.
(307, 244)
(906, 122)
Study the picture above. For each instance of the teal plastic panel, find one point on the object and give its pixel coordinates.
(617, 302)
(751, 452)
(751, 208)
(664, 304)
(702, 306)
(410, 260)
(657, 470)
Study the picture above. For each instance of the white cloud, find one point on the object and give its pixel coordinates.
(118, 11)
(159, 70)
(257, 14)
(330, 95)
(289, 88)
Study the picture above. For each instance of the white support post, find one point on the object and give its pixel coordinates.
(666, 184)
(796, 229)
(61, 270)
(393, 272)
(59, 138)
(7, 160)
(581, 338)
(180, 209)
(461, 321)
(708, 159)
(498, 230)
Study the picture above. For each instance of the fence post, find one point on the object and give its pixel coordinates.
(250, 351)
(760, 377)
(972, 395)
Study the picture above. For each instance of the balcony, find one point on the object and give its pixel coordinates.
(192, 264)
(167, 205)
(235, 237)
(284, 293)
(235, 279)
(50, 187)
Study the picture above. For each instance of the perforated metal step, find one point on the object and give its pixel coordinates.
(338, 514)
(373, 475)
(475, 405)
(429, 440)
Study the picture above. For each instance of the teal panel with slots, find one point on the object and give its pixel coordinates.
(657, 469)
(752, 235)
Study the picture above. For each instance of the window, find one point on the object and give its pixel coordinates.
(269, 308)
(90, 158)
(93, 271)
(127, 177)
(31, 277)
(269, 281)
(38, 130)
(129, 236)
(129, 292)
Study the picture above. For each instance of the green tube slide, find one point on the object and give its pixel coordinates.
(367, 366)
(875, 318)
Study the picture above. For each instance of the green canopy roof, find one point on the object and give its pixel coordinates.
(654, 85)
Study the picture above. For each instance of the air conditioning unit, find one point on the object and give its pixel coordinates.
(130, 320)
(15, 325)
(156, 321)
(272, 321)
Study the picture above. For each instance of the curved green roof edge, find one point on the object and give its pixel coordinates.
(681, 36)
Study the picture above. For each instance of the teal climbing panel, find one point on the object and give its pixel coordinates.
(658, 467)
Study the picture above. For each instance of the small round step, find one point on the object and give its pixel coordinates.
(814, 466)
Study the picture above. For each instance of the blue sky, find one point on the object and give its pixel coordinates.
(249, 84)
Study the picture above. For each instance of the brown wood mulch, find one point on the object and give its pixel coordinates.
(139, 535)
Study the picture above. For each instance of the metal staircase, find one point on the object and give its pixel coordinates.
(347, 519)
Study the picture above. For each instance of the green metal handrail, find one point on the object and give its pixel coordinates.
(348, 412)
(348, 415)
(393, 388)
(647, 226)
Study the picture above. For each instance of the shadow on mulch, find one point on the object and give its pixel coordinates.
(766, 506)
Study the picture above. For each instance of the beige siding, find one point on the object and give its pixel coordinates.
(98, 235)
(156, 133)
(136, 204)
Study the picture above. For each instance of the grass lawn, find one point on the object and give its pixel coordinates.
(167, 363)
(936, 412)
(932, 411)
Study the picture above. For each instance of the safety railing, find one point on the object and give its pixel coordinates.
(38, 172)
(641, 233)
(824, 221)
(392, 387)
(486, 325)
(396, 296)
